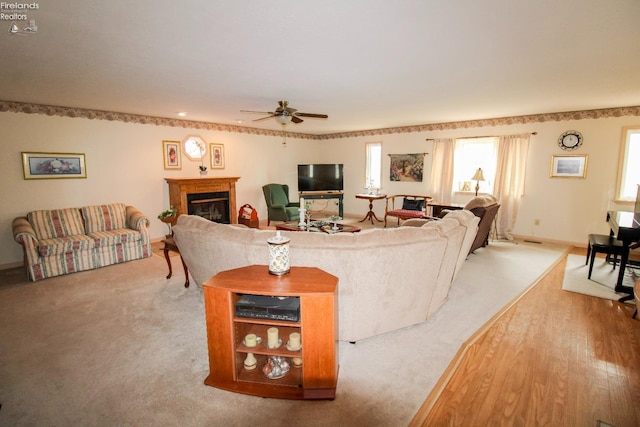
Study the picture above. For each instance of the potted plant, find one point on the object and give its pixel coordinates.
(169, 218)
(203, 170)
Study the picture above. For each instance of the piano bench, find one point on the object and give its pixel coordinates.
(601, 243)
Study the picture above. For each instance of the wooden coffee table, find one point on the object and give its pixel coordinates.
(342, 228)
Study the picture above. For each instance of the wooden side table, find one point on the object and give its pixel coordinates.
(371, 197)
(170, 245)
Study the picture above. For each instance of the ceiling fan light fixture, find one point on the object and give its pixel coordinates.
(283, 119)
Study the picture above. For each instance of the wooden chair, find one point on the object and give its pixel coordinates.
(601, 243)
(412, 206)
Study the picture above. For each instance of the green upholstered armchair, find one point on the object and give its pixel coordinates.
(278, 206)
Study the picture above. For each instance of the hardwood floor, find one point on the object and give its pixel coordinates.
(552, 358)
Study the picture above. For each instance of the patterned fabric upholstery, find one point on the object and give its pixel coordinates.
(406, 213)
(55, 241)
(104, 217)
(61, 245)
(110, 238)
(56, 223)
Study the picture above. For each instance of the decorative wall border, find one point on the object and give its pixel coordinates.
(50, 110)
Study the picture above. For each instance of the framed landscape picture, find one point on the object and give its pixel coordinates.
(53, 165)
(569, 166)
(172, 154)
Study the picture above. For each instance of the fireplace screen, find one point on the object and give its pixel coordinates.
(212, 206)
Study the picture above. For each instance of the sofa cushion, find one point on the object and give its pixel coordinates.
(61, 245)
(412, 204)
(104, 217)
(114, 237)
(405, 213)
(50, 224)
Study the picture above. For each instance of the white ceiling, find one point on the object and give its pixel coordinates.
(368, 64)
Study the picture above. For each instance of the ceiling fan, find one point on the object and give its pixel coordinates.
(285, 114)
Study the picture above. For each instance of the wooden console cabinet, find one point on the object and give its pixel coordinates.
(318, 326)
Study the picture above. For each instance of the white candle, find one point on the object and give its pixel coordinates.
(294, 341)
(302, 202)
(272, 337)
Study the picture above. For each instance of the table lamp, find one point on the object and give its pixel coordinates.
(477, 178)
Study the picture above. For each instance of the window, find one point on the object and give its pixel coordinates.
(373, 169)
(629, 172)
(471, 154)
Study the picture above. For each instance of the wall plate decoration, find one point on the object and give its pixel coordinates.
(570, 140)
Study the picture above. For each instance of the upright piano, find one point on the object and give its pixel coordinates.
(625, 226)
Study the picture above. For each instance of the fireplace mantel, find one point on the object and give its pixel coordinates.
(179, 188)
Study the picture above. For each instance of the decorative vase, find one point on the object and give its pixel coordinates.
(279, 254)
(203, 173)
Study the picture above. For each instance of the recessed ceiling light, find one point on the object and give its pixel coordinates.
(182, 113)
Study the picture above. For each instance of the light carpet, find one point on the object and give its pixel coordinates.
(124, 346)
(603, 278)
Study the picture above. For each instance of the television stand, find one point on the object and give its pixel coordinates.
(310, 195)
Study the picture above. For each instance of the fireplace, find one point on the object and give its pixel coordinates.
(211, 198)
(212, 206)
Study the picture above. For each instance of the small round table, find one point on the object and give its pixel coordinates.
(371, 197)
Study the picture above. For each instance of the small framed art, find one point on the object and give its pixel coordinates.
(569, 166)
(53, 165)
(217, 156)
(172, 154)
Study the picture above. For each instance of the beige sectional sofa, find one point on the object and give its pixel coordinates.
(388, 278)
(62, 241)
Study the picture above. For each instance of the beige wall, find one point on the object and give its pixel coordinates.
(125, 164)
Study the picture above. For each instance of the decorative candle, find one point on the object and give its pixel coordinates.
(272, 337)
(294, 341)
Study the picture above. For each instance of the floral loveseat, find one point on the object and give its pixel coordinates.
(62, 241)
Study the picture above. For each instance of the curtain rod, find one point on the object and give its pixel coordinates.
(473, 137)
(424, 154)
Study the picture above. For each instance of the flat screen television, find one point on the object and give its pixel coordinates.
(320, 177)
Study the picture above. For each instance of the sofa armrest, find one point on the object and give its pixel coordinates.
(24, 234)
(136, 220)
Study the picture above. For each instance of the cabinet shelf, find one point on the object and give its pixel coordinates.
(317, 377)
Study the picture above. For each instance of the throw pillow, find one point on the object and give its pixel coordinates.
(412, 204)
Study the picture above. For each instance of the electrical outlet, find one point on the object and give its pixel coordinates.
(536, 221)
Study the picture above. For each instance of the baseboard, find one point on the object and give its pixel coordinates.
(10, 265)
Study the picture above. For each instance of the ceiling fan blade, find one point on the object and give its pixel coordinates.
(259, 112)
(318, 116)
(295, 119)
(264, 118)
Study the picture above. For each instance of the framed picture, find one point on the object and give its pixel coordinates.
(569, 166)
(172, 154)
(217, 156)
(53, 165)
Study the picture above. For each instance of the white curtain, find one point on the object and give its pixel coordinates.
(442, 170)
(510, 177)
